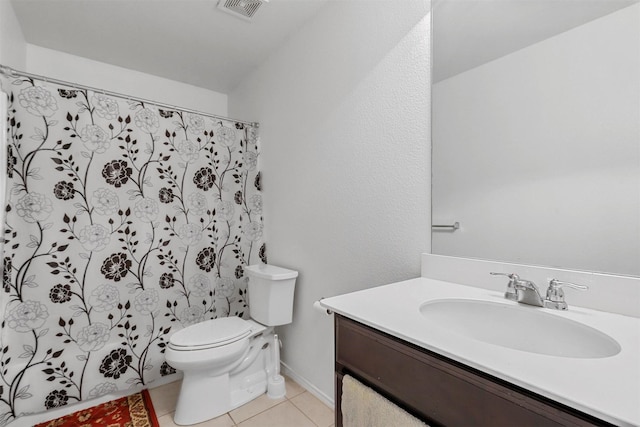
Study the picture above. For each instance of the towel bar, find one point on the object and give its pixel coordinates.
(454, 226)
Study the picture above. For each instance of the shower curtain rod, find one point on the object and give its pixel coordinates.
(11, 72)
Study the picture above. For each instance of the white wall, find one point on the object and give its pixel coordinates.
(12, 43)
(16, 53)
(344, 113)
(537, 153)
(76, 69)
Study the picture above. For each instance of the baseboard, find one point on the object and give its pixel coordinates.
(327, 400)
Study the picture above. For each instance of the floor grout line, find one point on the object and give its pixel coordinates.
(261, 412)
(286, 399)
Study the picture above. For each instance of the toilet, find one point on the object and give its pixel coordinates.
(228, 361)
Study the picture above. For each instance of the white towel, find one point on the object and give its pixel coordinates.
(363, 407)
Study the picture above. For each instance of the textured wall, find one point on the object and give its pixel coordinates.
(76, 69)
(344, 112)
(12, 44)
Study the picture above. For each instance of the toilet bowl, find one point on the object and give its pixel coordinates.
(212, 345)
(225, 361)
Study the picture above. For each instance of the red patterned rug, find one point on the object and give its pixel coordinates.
(130, 411)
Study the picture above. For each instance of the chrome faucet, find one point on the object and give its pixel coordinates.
(521, 290)
(555, 294)
(510, 293)
(526, 292)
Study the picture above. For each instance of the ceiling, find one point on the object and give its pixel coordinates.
(194, 42)
(191, 41)
(469, 33)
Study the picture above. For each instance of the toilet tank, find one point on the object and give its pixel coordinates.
(271, 293)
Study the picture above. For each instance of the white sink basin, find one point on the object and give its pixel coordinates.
(519, 327)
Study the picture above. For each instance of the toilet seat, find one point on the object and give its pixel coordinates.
(210, 334)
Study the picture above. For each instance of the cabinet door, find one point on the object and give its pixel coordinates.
(437, 390)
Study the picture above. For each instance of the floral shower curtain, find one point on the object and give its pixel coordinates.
(124, 223)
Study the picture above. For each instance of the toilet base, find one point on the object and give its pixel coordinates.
(203, 399)
(203, 396)
(255, 386)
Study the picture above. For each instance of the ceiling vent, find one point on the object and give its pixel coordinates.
(244, 9)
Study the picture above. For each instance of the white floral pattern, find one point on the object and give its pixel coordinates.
(200, 285)
(255, 203)
(102, 389)
(254, 231)
(146, 301)
(105, 201)
(104, 298)
(146, 120)
(225, 210)
(95, 138)
(105, 107)
(94, 237)
(191, 315)
(195, 123)
(146, 210)
(225, 286)
(197, 203)
(93, 337)
(38, 101)
(252, 135)
(34, 207)
(250, 160)
(188, 151)
(226, 136)
(190, 234)
(27, 316)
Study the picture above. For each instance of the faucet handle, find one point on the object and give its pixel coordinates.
(557, 284)
(555, 294)
(512, 276)
(511, 292)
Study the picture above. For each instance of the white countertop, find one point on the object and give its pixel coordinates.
(607, 388)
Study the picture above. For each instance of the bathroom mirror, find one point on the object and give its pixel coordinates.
(536, 132)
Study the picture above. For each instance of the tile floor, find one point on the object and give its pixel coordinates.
(298, 409)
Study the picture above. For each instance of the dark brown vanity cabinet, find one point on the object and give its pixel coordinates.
(436, 389)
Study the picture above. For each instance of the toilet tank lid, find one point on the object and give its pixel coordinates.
(267, 271)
